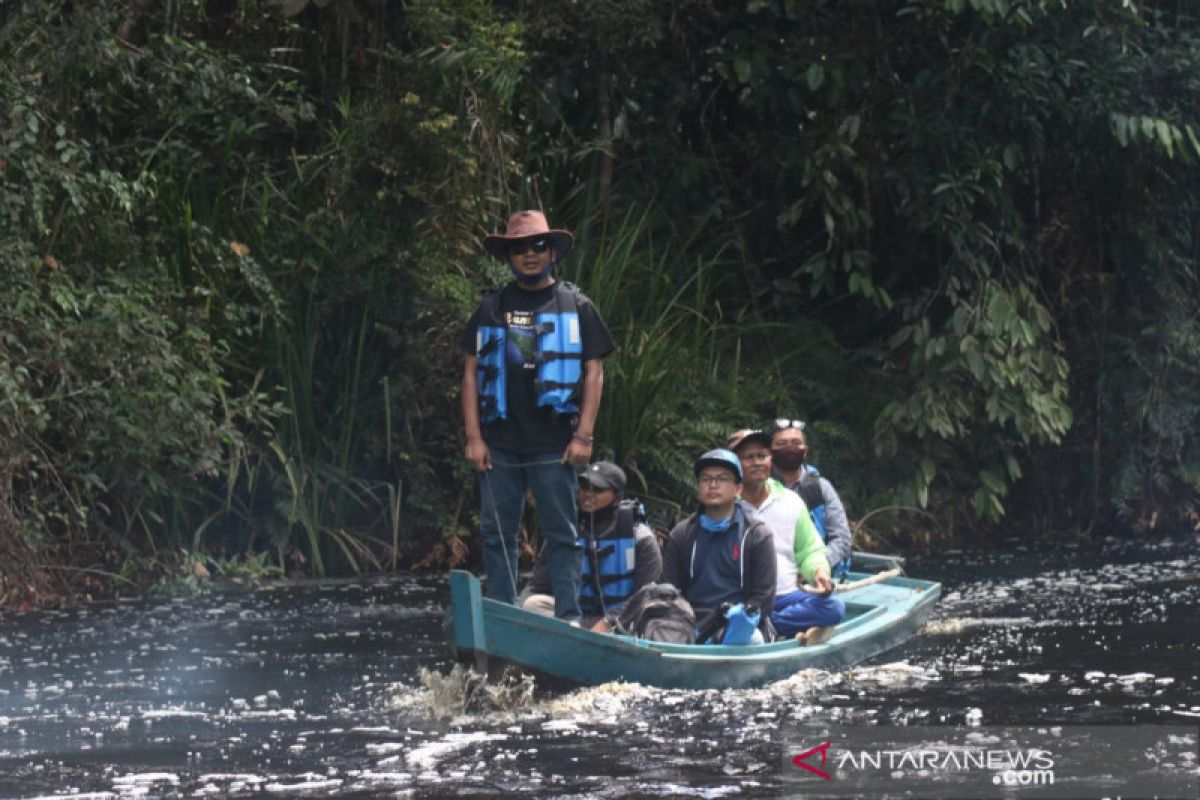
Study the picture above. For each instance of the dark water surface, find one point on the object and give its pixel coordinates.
(316, 690)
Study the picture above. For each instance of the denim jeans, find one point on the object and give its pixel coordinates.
(798, 610)
(502, 490)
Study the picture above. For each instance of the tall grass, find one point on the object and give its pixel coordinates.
(675, 385)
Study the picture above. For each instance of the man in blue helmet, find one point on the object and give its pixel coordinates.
(722, 553)
(531, 389)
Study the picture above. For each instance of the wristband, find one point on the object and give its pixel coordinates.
(585, 439)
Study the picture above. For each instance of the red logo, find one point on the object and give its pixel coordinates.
(800, 761)
(735, 551)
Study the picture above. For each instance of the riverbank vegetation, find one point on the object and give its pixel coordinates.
(238, 240)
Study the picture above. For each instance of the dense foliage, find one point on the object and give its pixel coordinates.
(238, 240)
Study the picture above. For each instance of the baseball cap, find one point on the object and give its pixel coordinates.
(719, 458)
(746, 435)
(604, 475)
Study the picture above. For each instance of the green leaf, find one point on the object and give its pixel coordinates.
(1163, 128)
(993, 481)
(1191, 133)
(814, 76)
(1013, 466)
(291, 8)
(926, 469)
(743, 69)
(1012, 157)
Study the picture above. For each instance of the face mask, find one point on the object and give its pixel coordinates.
(788, 458)
(599, 519)
(715, 525)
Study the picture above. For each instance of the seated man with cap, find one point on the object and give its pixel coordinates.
(620, 553)
(722, 553)
(809, 613)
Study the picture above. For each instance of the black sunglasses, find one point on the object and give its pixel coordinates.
(525, 245)
(784, 424)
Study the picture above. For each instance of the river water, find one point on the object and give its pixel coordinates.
(345, 689)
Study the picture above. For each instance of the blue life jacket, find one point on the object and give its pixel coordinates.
(610, 562)
(558, 353)
(809, 488)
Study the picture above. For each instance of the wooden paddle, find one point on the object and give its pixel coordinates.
(845, 587)
(814, 636)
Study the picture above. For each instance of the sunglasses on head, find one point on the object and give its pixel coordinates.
(784, 424)
(525, 245)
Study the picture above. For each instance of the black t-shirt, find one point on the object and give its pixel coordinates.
(531, 428)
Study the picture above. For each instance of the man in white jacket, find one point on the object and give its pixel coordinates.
(799, 551)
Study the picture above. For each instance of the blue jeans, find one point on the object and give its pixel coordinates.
(502, 490)
(798, 611)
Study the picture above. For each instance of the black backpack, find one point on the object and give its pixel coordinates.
(659, 613)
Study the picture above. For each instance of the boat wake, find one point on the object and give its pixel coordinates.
(462, 692)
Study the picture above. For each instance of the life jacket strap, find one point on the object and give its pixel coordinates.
(553, 355)
(543, 386)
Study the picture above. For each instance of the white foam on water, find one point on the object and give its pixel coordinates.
(376, 779)
(281, 713)
(1135, 678)
(146, 779)
(308, 783)
(955, 625)
(560, 725)
(804, 683)
(895, 674)
(427, 756)
(233, 777)
(604, 702)
(167, 713)
(1033, 677)
(678, 790)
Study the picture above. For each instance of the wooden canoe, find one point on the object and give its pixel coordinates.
(879, 616)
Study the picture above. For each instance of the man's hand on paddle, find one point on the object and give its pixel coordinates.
(823, 583)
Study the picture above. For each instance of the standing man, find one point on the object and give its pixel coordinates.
(722, 553)
(789, 455)
(799, 551)
(531, 388)
(620, 553)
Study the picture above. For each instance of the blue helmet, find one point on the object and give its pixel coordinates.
(719, 458)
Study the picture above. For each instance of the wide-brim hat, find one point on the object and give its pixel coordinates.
(719, 458)
(528, 225)
(747, 436)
